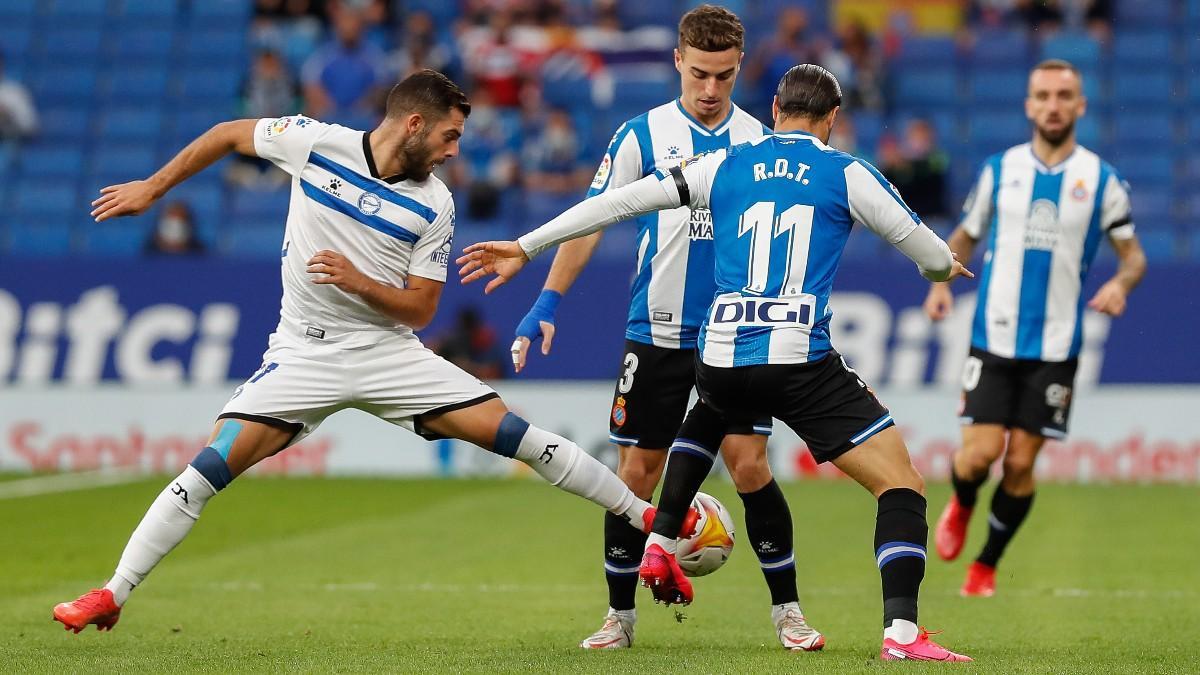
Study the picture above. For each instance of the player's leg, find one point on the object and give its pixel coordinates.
(989, 395)
(1043, 410)
(769, 530)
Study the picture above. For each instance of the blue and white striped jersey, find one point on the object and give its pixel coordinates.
(1044, 225)
(389, 229)
(674, 285)
(782, 208)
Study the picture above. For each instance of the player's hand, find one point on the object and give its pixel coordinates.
(939, 302)
(538, 323)
(501, 258)
(337, 270)
(958, 269)
(126, 199)
(1110, 299)
(520, 346)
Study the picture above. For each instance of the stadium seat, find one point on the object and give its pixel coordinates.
(928, 51)
(929, 86)
(641, 13)
(119, 159)
(16, 37)
(226, 10)
(1146, 167)
(152, 44)
(262, 240)
(66, 84)
(259, 205)
(38, 198)
(70, 123)
(17, 9)
(81, 42)
(41, 239)
(67, 10)
(213, 47)
(441, 11)
(643, 89)
(1133, 86)
(135, 82)
(1144, 127)
(1007, 48)
(992, 131)
(1006, 87)
(1160, 246)
(1145, 14)
(52, 162)
(1150, 48)
(141, 124)
(121, 238)
(209, 85)
(1078, 48)
(151, 8)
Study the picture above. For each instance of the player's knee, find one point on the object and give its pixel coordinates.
(641, 471)
(976, 459)
(1018, 466)
(748, 472)
(508, 436)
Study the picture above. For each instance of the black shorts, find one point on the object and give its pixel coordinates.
(1018, 393)
(824, 402)
(652, 395)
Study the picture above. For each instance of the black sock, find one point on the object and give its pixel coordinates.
(769, 529)
(687, 467)
(1008, 512)
(966, 490)
(900, 537)
(623, 544)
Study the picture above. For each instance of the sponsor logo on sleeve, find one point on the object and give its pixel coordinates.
(277, 127)
(602, 172)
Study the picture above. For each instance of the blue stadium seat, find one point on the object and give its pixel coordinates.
(1006, 48)
(141, 124)
(70, 123)
(992, 131)
(40, 198)
(82, 41)
(1143, 127)
(1151, 48)
(52, 162)
(116, 238)
(66, 85)
(135, 81)
(226, 10)
(151, 8)
(206, 198)
(17, 9)
(1146, 168)
(1159, 246)
(259, 205)
(87, 10)
(1089, 129)
(209, 84)
(16, 39)
(641, 13)
(119, 159)
(928, 86)
(145, 43)
(1002, 87)
(40, 239)
(225, 45)
(1133, 86)
(927, 51)
(262, 240)
(1078, 48)
(1145, 14)
(643, 90)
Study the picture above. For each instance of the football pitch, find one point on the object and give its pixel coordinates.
(505, 575)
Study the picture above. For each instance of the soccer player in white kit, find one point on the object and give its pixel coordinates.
(1045, 206)
(364, 258)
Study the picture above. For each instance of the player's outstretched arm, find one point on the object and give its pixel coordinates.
(1112, 296)
(501, 258)
(134, 197)
(940, 301)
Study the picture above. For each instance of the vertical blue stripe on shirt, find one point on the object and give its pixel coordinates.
(639, 307)
(1035, 274)
(1090, 243)
(979, 328)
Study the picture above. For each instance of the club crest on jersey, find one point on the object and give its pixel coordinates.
(369, 203)
(602, 172)
(700, 225)
(1080, 192)
(618, 411)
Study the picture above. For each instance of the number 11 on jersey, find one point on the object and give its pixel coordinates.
(762, 224)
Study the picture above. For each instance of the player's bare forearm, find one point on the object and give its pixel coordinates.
(134, 197)
(413, 307)
(962, 245)
(569, 261)
(1132, 266)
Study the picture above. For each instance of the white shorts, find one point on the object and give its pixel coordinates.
(392, 376)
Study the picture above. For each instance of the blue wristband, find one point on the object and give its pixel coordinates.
(542, 310)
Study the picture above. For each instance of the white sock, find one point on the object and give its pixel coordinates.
(901, 632)
(668, 545)
(165, 524)
(780, 611)
(567, 467)
(628, 616)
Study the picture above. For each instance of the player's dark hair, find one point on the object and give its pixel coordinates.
(710, 28)
(428, 93)
(1059, 64)
(808, 90)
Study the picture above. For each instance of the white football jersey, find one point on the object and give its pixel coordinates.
(1044, 225)
(388, 228)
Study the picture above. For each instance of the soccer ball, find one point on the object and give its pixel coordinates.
(709, 547)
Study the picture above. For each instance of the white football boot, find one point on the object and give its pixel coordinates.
(616, 633)
(793, 631)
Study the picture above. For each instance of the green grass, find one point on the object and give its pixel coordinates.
(375, 575)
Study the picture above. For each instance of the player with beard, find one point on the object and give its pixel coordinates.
(1044, 206)
(365, 249)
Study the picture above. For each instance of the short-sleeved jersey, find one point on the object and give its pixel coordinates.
(782, 208)
(389, 229)
(1044, 225)
(673, 285)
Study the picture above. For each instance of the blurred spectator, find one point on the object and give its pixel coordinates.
(862, 77)
(269, 91)
(918, 168)
(493, 61)
(289, 9)
(1045, 17)
(471, 345)
(843, 136)
(175, 233)
(18, 116)
(419, 48)
(554, 158)
(344, 80)
(488, 164)
(793, 43)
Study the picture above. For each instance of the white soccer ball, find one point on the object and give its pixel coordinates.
(710, 545)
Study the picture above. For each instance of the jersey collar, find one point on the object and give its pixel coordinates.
(696, 124)
(371, 162)
(1057, 168)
